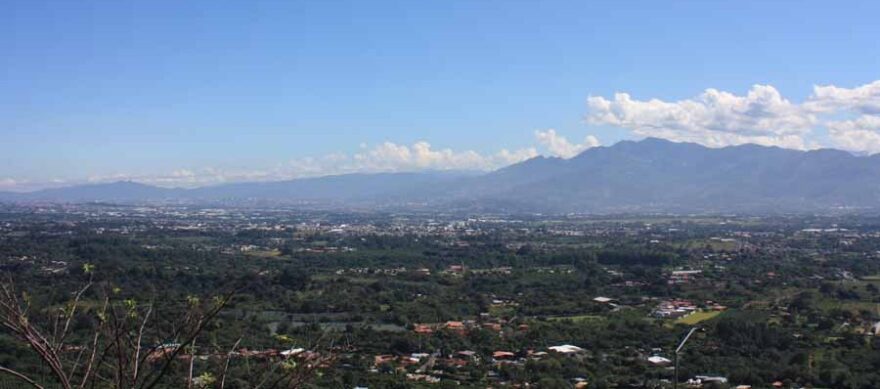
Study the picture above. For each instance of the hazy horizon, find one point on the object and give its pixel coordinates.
(203, 93)
(440, 194)
(152, 181)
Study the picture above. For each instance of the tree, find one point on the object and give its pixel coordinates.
(111, 349)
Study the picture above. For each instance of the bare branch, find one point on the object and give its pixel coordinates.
(137, 350)
(226, 364)
(90, 364)
(201, 323)
(192, 361)
(60, 341)
(20, 376)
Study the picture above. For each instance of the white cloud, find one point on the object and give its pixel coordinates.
(859, 135)
(861, 105)
(385, 157)
(8, 183)
(559, 146)
(390, 156)
(763, 116)
(863, 99)
(714, 118)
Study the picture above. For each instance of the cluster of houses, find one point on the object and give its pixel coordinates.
(677, 308)
(325, 249)
(706, 381)
(466, 326)
(393, 271)
(701, 381)
(683, 276)
(424, 367)
(162, 352)
(500, 270)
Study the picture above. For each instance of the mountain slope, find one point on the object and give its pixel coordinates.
(662, 175)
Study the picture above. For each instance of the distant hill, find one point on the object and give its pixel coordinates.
(348, 188)
(648, 175)
(123, 191)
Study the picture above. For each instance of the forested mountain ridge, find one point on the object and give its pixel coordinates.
(663, 175)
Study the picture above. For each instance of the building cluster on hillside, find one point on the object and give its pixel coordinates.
(675, 308)
(433, 367)
(683, 276)
(464, 327)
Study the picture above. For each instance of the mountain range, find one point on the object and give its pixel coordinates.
(647, 175)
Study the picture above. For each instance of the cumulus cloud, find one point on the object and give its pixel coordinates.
(863, 99)
(559, 146)
(860, 135)
(860, 106)
(390, 156)
(714, 118)
(762, 116)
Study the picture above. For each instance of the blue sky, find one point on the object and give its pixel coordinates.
(199, 92)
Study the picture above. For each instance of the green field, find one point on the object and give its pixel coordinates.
(577, 318)
(828, 304)
(264, 253)
(697, 317)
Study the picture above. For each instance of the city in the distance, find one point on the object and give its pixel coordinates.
(439, 194)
